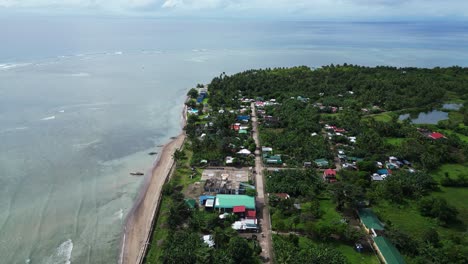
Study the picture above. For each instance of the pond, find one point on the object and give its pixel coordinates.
(426, 118)
(452, 106)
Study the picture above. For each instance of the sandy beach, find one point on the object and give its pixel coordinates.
(140, 219)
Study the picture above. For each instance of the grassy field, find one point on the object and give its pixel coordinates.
(330, 214)
(160, 233)
(454, 196)
(347, 250)
(383, 117)
(407, 217)
(454, 170)
(404, 217)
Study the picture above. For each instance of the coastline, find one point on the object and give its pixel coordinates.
(139, 221)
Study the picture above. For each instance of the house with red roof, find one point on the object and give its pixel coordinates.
(436, 135)
(329, 175)
(251, 214)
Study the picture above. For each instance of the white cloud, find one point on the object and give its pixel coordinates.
(314, 9)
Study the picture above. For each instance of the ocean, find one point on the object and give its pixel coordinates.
(83, 101)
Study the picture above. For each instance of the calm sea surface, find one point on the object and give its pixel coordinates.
(82, 101)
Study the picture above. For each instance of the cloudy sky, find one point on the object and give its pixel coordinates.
(301, 9)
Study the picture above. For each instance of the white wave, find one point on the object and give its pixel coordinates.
(86, 144)
(118, 53)
(13, 129)
(62, 254)
(27, 261)
(80, 74)
(48, 118)
(119, 214)
(61, 111)
(198, 59)
(9, 66)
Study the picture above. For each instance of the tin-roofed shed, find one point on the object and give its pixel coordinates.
(369, 220)
(229, 201)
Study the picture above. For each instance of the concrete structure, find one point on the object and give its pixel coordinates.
(369, 220)
(225, 181)
(386, 251)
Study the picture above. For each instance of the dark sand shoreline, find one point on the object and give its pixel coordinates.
(139, 221)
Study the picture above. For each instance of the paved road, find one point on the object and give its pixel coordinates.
(262, 201)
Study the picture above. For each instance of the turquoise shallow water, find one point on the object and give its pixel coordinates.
(83, 101)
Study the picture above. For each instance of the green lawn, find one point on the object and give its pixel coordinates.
(383, 117)
(347, 250)
(454, 196)
(355, 257)
(449, 132)
(404, 217)
(454, 170)
(407, 217)
(330, 214)
(160, 233)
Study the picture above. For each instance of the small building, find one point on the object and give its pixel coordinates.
(244, 152)
(227, 202)
(246, 225)
(251, 214)
(204, 198)
(243, 131)
(267, 149)
(236, 126)
(229, 160)
(273, 160)
(329, 175)
(307, 164)
(386, 251)
(239, 210)
(369, 220)
(191, 203)
(384, 172)
(321, 163)
(243, 118)
(209, 204)
(436, 135)
(377, 177)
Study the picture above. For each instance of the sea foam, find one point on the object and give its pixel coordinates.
(62, 254)
(48, 118)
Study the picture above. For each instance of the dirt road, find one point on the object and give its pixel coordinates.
(261, 200)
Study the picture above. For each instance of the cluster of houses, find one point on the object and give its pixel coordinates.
(385, 250)
(243, 206)
(337, 131)
(386, 169)
(224, 193)
(327, 108)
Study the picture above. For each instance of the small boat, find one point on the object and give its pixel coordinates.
(137, 173)
(152, 153)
